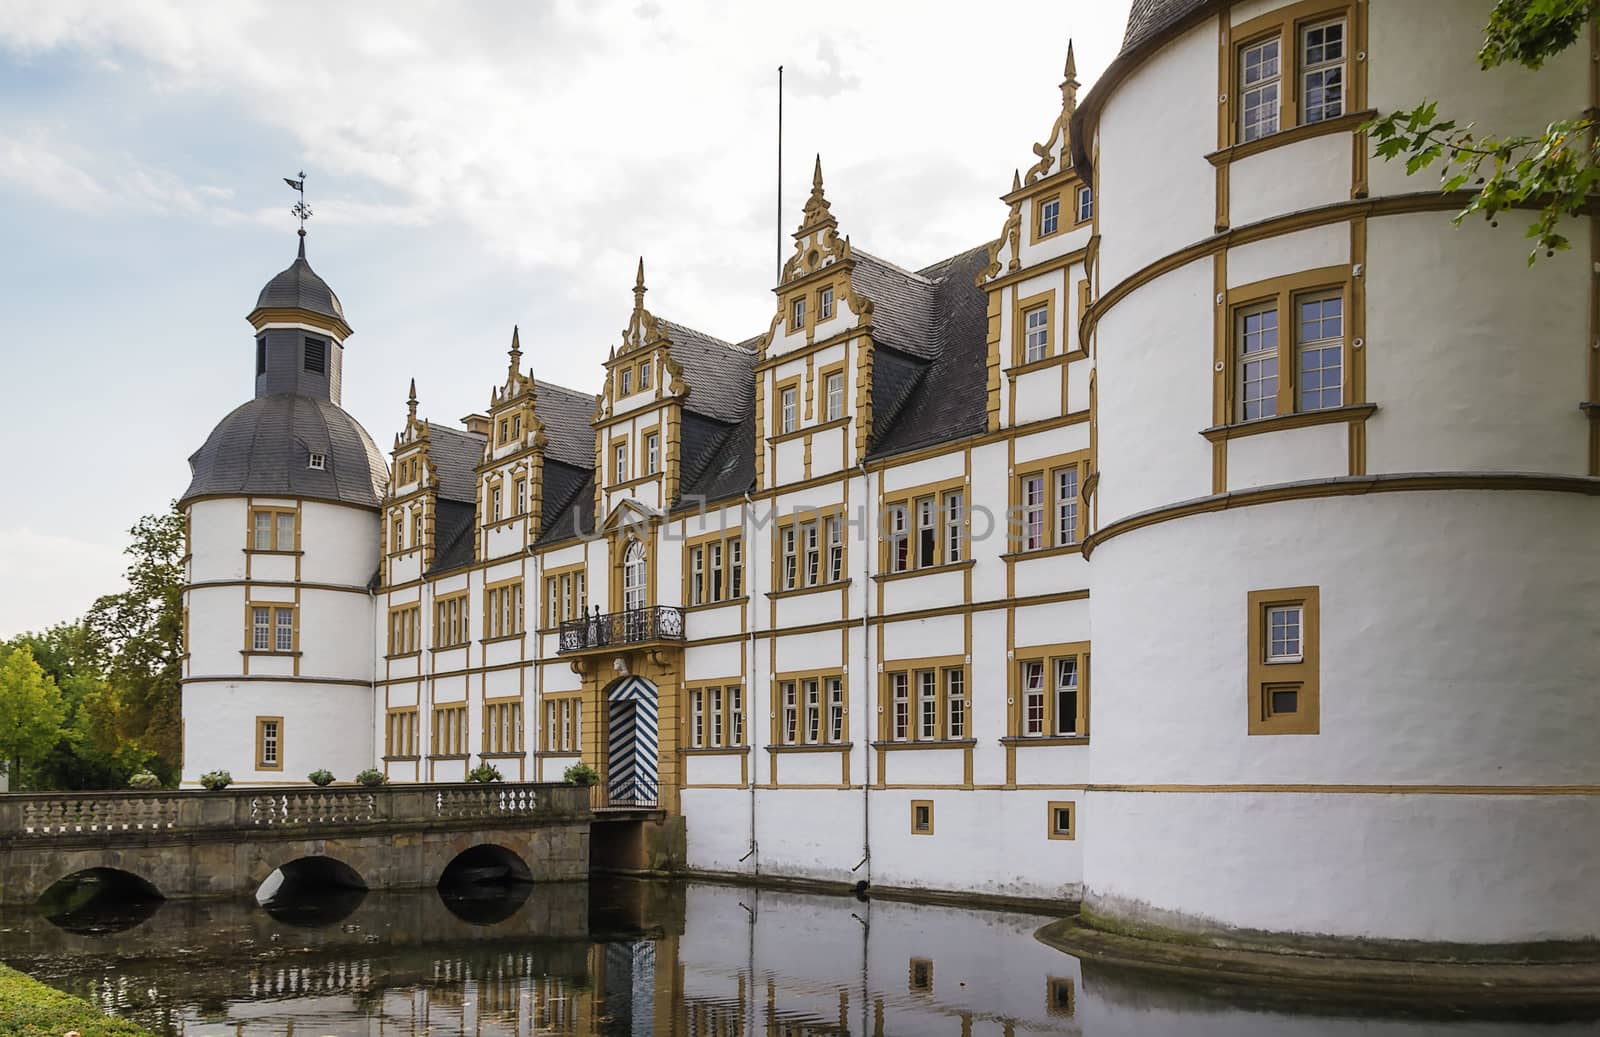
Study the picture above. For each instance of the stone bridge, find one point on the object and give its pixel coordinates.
(227, 843)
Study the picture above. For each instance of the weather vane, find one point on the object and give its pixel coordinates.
(301, 209)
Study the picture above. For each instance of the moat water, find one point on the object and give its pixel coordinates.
(648, 958)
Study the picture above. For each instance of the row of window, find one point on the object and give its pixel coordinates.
(716, 571)
(1060, 823)
(496, 500)
(811, 553)
(789, 402)
(621, 472)
(1316, 75)
(631, 378)
(799, 311)
(1048, 210)
(716, 716)
(501, 731)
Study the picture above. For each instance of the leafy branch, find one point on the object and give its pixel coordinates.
(1557, 171)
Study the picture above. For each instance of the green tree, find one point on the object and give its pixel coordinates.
(141, 630)
(30, 710)
(1555, 172)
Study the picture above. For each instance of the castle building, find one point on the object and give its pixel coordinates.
(1215, 544)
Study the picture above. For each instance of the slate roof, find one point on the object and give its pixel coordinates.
(947, 397)
(456, 454)
(717, 460)
(721, 383)
(454, 523)
(903, 305)
(299, 287)
(1148, 17)
(566, 415)
(264, 447)
(565, 518)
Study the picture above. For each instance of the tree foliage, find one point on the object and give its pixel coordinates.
(117, 673)
(1554, 171)
(30, 709)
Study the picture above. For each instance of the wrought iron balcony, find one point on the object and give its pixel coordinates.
(621, 629)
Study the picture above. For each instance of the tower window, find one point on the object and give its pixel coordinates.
(318, 463)
(261, 355)
(316, 356)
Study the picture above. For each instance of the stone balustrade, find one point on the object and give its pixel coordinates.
(47, 815)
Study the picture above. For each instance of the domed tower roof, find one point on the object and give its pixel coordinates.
(299, 288)
(264, 448)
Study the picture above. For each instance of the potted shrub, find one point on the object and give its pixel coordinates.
(372, 777)
(581, 774)
(320, 778)
(216, 781)
(485, 773)
(144, 781)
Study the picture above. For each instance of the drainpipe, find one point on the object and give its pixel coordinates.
(751, 591)
(866, 682)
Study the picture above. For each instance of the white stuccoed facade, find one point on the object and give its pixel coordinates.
(1415, 765)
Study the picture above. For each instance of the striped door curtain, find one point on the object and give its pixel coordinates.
(632, 743)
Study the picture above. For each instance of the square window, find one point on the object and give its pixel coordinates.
(318, 463)
(1062, 818)
(922, 817)
(1282, 699)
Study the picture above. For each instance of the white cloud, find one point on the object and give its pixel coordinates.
(560, 133)
(47, 579)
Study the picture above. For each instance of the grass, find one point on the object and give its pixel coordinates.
(29, 1008)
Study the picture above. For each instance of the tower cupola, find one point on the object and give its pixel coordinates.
(300, 333)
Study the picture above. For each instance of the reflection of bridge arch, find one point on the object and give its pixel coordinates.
(632, 742)
(99, 901)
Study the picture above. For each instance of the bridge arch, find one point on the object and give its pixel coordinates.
(99, 900)
(632, 741)
(309, 875)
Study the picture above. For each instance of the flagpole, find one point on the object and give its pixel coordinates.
(777, 245)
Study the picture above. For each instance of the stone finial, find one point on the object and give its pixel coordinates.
(411, 401)
(638, 288)
(516, 352)
(1069, 81)
(817, 206)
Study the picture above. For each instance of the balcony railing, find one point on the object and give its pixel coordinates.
(617, 629)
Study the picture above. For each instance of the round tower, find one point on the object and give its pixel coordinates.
(1345, 573)
(284, 537)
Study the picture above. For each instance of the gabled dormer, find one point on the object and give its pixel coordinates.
(813, 400)
(510, 473)
(409, 510)
(1038, 279)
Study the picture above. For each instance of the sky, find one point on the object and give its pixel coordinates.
(471, 167)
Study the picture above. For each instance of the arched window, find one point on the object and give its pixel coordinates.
(633, 576)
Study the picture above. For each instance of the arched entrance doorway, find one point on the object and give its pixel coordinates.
(632, 743)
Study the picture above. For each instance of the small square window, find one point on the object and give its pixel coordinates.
(922, 817)
(1063, 816)
(318, 462)
(1281, 700)
(920, 978)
